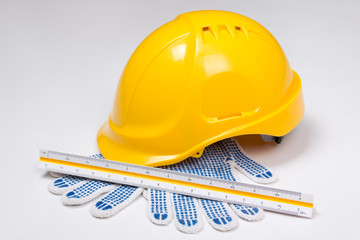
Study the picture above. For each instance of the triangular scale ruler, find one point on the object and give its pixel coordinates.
(267, 198)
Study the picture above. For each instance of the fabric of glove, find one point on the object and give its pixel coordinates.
(218, 160)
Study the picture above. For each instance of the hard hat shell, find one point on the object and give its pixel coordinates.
(201, 78)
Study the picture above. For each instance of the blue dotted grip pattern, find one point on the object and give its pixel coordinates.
(250, 168)
(158, 205)
(116, 197)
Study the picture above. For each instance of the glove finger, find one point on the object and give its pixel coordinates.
(219, 215)
(86, 192)
(65, 183)
(248, 213)
(187, 214)
(256, 172)
(114, 201)
(159, 206)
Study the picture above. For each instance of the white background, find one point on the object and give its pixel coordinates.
(59, 66)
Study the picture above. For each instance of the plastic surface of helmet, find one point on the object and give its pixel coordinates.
(201, 78)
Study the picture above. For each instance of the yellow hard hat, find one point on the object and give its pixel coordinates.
(201, 78)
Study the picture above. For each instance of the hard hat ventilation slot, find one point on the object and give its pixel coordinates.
(224, 31)
(208, 33)
(238, 31)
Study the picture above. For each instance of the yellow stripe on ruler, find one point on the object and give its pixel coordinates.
(178, 182)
